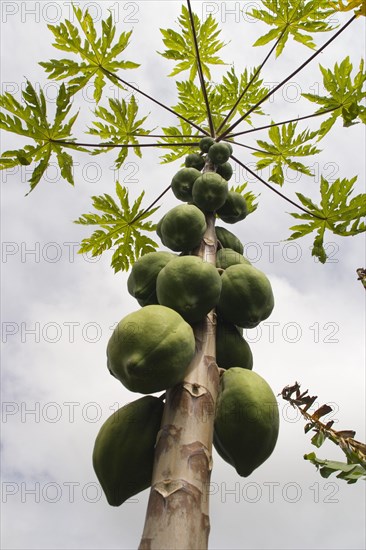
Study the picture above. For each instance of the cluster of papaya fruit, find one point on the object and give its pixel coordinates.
(151, 349)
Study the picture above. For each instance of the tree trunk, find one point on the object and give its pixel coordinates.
(177, 515)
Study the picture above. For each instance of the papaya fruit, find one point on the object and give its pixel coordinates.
(182, 183)
(229, 147)
(150, 349)
(123, 453)
(190, 286)
(193, 160)
(246, 296)
(209, 191)
(225, 170)
(141, 282)
(246, 420)
(226, 257)
(183, 227)
(219, 153)
(228, 239)
(158, 227)
(231, 348)
(234, 209)
(206, 143)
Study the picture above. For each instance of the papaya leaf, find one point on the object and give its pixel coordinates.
(97, 55)
(177, 152)
(221, 97)
(180, 46)
(350, 5)
(293, 18)
(249, 197)
(285, 144)
(119, 125)
(192, 103)
(233, 85)
(122, 228)
(29, 119)
(345, 97)
(337, 212)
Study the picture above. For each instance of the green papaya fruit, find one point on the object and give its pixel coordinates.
(234, 209)
(228, 239)
(225, 170)
(226, 257)
(190, 286)
(206, 143)
(231, 348)
(182, 183)
(210, 191)
(141, 282)
(193, 160)
(246, 420)
(246, 296)
(123, 454)
(219, 153)
(150, 349)
(183, 227)
(158, 227)
(228, 144)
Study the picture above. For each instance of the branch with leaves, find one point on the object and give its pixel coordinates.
(121, 228)
(98, 55)
(30, 120)
(337, 212)
(355, 451)
(203, 107)
(291, 18)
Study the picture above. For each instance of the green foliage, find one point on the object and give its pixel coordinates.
(119, 126)
(222, 98)
(344, 97)
(233, 86)
(181, 48)
(355, 451)
(285, 144)
(249, 197)
(351, 5)
(121, 228)
(192, 103)
(335, 213)
(30, 120)
(98, 55)
(293, 18)
(179, 132)
(350, 472)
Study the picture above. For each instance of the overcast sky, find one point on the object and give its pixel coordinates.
(59, 309)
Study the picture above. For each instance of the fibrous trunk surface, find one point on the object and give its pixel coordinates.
(177, 516)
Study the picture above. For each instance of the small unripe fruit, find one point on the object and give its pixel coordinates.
(234, 209)
(210, 191)
(193, 160)
(225, 170)
(219, 153)
(182, 183)
(206, 143)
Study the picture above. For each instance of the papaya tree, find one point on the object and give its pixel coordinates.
(186, 342)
